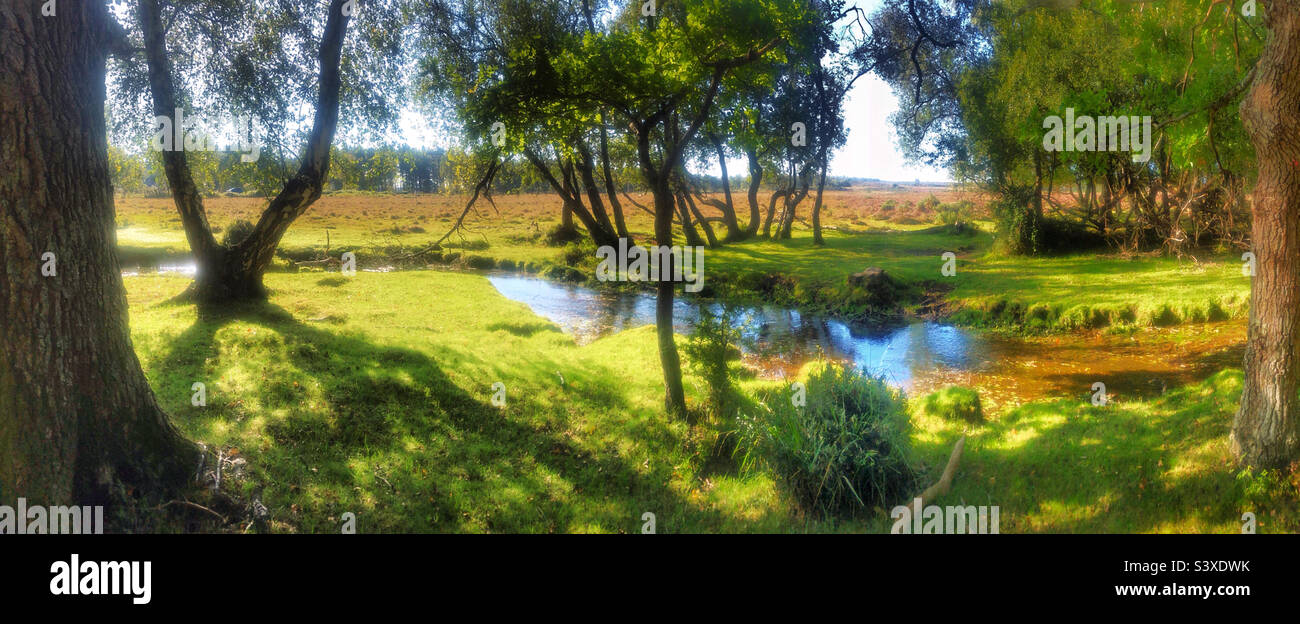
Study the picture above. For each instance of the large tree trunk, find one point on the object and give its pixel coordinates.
(665, 204)
(228, 273)
(1265, 432)
(78, 421)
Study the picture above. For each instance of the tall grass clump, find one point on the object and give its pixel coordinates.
(843, 451)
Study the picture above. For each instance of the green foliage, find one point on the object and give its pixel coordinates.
(236, 232)
(709, 353)
(954, 214)
(954, 403)
(846, 450)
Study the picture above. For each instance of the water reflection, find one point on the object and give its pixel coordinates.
(776, 340)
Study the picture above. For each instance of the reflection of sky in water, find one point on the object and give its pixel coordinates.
(769, 332)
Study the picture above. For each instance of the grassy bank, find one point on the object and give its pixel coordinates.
(374, 395)
(1160, 465)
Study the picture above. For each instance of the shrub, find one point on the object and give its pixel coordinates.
(237, 232)
(482, 263)
(954, 403)
(845, 450)
(578, 254)
(709, 352)
(955, 215)
(561, 235)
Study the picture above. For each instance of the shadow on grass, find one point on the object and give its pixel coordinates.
(1063, 466)
(337, 423)
(524, 330)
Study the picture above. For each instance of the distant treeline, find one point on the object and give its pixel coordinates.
(386, 169)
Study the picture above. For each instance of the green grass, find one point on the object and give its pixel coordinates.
(372, 395)
(1152, 466)
(953, 403)
(1090, 291)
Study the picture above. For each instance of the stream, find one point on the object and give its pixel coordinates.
(917, 356)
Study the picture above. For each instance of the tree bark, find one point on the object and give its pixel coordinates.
(771, 210)
(587, 167)
(734, 233)
(792, 204)
(755, 179)
(817, 206)
(620, 224)
(235, 272)
(1265, 431)
(569, 193)
(78, 421)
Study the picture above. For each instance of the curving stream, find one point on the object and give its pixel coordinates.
(919, 356)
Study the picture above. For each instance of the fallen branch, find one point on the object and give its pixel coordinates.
(484, 188)
(638, 204)
(194, 505)
(944, 485)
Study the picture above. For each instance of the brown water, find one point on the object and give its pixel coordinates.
(920, 356)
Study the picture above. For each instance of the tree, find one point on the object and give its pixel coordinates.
(917, 45)
(1266, 430)
(79, 422)
(234, 271)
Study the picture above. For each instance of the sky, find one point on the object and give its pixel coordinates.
(872, 148)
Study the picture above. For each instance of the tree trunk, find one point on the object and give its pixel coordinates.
(1264, 432)
(755, 179)
(587, 167)
(689, 232)
(817, 206)
(669, 360)
(792, 204)
(227, 273)
(734, 233)
(568, 191)
(78, 422)
(771, 211)
(699, 218)
(620, 225)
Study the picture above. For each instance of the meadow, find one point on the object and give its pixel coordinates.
(374, 393)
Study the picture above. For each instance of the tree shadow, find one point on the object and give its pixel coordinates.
(1064, 466)
(336, 423)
